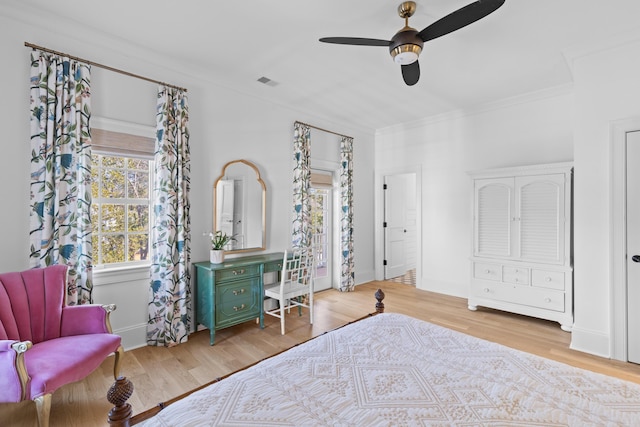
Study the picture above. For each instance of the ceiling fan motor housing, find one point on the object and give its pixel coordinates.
(405, 46)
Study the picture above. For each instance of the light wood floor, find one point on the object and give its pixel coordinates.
(160, 374)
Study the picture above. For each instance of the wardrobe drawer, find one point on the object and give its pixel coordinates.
(237, 273)
(515, 275)
(523, 295)
(548, 279)
(487, 271)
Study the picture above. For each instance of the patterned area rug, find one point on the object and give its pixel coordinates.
(394, 370)
(408, 278)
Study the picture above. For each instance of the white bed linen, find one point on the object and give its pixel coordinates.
(394, 370)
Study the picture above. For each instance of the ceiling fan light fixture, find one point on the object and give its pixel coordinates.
(405, 46)
(406, 54)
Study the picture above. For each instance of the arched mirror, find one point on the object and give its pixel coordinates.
(239, 206)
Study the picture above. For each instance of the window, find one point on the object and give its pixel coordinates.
(120, 209)
(122, 177)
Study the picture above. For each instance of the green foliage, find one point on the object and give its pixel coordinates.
(219, 240)
(120, 190)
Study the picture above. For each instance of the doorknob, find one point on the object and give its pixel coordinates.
(635, 258)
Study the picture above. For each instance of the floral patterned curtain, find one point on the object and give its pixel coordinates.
(60, 224)
(301, 231)
(169, 294)
(347, 281)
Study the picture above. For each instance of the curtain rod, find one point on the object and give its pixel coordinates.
(323, 130)
(106, 67)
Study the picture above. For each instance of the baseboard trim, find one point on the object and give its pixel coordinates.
(592, 342)
(134, 336)
(446, 288)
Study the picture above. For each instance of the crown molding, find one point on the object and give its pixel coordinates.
(574, 53)
(551, 92)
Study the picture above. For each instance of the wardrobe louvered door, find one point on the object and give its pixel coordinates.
(493, 216)
(540, 218)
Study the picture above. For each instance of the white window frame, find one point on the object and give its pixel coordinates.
(137, 130)
(126, 202)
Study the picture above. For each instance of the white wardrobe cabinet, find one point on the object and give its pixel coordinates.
(522, 259)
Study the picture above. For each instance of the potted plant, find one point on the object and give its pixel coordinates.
(218, 241)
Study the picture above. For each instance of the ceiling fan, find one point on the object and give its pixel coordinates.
(406, 44)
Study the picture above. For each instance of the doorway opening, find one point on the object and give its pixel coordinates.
(623, 343)
(321, 195)
(400, 228)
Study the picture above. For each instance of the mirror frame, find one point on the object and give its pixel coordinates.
(264, 205)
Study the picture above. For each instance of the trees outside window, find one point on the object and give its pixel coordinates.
(120, 213)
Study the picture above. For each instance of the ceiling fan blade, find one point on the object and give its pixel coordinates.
(411, 73)
(357, 41)
(460, 18)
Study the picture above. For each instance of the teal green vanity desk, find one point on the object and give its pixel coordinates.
(232, 292)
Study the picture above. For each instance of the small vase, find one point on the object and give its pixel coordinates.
(216, 256)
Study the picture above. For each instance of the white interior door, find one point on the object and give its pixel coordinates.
(395, 226)
(633, 246)
(240, 213)
(225, 204)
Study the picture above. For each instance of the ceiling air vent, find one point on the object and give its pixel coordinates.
(267, 81)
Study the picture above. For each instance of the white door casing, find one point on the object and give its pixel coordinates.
(416, 193)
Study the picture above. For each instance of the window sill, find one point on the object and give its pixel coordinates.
(108, 276)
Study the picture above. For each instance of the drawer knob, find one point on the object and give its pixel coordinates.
(487, 271)
(239, 292)
(547, 279)
(517, 280)
(236, 272)
(547, 300)
(235, 308)
(486, 290)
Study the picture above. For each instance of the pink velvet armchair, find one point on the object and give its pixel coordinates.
(45, 344)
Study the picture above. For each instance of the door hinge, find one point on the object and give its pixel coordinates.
(384, 262)
(384, 186)
(384, 224)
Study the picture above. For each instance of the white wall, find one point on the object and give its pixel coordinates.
(224, 125)
(535, 128)
(607, 89)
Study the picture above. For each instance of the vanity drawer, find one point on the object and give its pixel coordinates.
(237, 273)
(516, 275)
(273, 266)
(237, 302)
(486, 271)
(548, 279)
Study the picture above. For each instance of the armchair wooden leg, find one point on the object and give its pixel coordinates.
(43, 407)
(116, 363)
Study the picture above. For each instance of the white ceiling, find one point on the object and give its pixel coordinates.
(518, 49)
